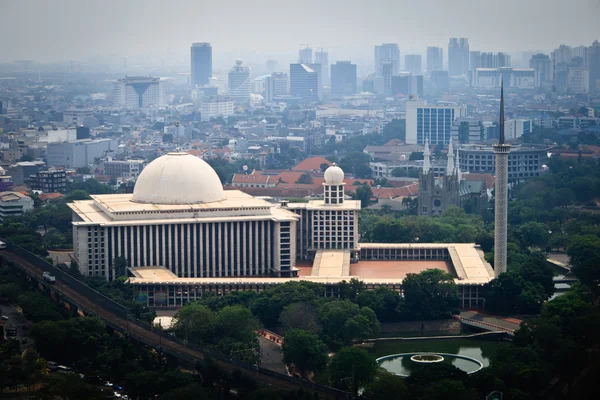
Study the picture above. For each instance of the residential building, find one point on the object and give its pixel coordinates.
(126, 169)
(49, 181)
(343, 78)
(322, 57)
(432, 122)
(277, 84)
(76, 116)
(578, 80)
(412, 64)
(304, 82)
(387, 53)
(201, 59)
(458, 56)
(239, 82)
(467, 130)
(491, 78)
(80, 153)
(219, 106)
(593, 65)
(138, 92)
(542, 66)
(440, 80)
(407, 84)
(491, 60)
(435, 59)
(474, 60)
(515, 128)
(14, 204)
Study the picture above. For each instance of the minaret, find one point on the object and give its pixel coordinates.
(501, 202)
(450, 165)
(426, 158)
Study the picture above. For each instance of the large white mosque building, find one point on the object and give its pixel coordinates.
(183, 235)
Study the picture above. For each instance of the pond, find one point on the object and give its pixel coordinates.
(479, 350)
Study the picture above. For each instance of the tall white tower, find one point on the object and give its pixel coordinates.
(334, 185)
(501, 202)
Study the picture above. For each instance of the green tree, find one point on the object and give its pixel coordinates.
(305, 179)
(300, 316)
(343, 321)
(324, 166)
(304, 350)
(416, 156)
(584, 252)
(431, 294)
(386, 386)
(120, 263)
(195, 323)
(351, 369)
(364, 194)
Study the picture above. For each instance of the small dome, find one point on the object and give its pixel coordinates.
(238, 61)
(178, 178)
(334, 175)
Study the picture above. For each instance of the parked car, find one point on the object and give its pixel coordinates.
(4, 318)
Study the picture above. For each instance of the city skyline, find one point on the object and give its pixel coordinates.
(102, 32)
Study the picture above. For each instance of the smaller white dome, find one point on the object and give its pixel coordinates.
(334, 175)
(238, 61)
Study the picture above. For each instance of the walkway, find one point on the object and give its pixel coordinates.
(489, 322)
(270, 356)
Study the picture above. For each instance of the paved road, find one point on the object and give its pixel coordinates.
(145, 334)
(506, 323)
(17, 320)
(270, 356)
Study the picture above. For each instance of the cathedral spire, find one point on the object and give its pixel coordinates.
(450, 165)
(457, 168)
(426, 158)
(501, 141)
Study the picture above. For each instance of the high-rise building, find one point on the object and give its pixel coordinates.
(407, 84)
(501, 195)
(343, 78)
(491, 60)
(578, 80)
(435, 59)
(387, 53)
(218, 106)
(458, 56)
(304, 82)
(440, 80)
(542, 66)
(490, 78)
(138, 92)
(201, 63)
(305, 56)
(318, 68)
(412, 63)
(278, 84)
(239, 82)
(387, 70)
(474, 60)
(593, 65)
(322, 57)
(430, 121)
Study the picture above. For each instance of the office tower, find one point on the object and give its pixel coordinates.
(458, 56)
(593, 65)
(304, 82)
(430, 121)
(138, 92)
(322, 57)
(201, 63)
(474, 60)
(239, 82)
(343, 78)
(305, 56)
(440, 80)
(412, 63)
(278, 84)
(387, 73)
(501, 196)
(502, 60)
(271, 65)
(490, 78)
(578, 80)
(387, 53)
(407, 84)
(435, 59)
(542, 66)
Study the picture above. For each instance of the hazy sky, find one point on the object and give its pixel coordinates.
(57, 30)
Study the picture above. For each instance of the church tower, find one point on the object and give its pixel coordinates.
(501, 201)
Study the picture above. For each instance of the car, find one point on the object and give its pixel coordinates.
(108, 384)
(117, 395)
(125, 397)
(4, 318)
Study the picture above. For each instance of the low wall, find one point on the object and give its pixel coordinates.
(452, 326)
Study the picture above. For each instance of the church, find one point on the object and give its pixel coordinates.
(438, 193)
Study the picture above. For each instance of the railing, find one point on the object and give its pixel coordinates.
(120, 311)
(485, 325)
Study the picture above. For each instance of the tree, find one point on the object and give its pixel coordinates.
(324, 166)
(584, 252)
(386, 386)
(53, 239)
(364, 194)
(416, 156)
(305, 179)
(351, 369)
(300, 316)
(344, 321)
(431, 294)
(120, 263)
(195, 323)
(304, 350)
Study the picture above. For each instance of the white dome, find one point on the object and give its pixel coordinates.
(334, 175)
(178, 178)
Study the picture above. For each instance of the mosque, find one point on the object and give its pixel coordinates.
(183, 235)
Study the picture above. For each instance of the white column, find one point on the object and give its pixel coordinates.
(118, 250)
(113, 247)
(106, 263)
(225, 262)
(238, 248)
(256, 246)
(244, 260)
(194, 259)
(176, 241)
(153, 247)
(213, 251)
(137, 239)
(201, 251)
(168, 246)
(268, 245)
(143, 247)
(188, 262)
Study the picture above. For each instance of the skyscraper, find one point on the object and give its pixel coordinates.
(305, 56)
(593, 64)
(412, 63)
(278, 84)
(304, 82)
(431, 122)
(501, 193)
(474, 60)
(239, 82)
(543, 68)
(458, 56)
(322, 57)
(435, 59)
(343, 78)
(201, 63)
(387, 53)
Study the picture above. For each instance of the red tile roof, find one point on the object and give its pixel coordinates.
(50, 196)
(311, 164)
(256, 177)
(489, 179)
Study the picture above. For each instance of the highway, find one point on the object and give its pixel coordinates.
(155, 340)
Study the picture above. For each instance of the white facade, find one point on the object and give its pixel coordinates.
(278, 84)
(138, 92)
(128, 169)
(578, 80)
(433, 122)
(76, 116)
(239, 82)
(14, 204)
(79, 153)
(491, 78)
(515, 128)
(216, 107)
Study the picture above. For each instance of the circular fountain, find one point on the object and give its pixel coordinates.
(403, 364)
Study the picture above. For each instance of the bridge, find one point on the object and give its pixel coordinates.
(488, 322)
(83, 300)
